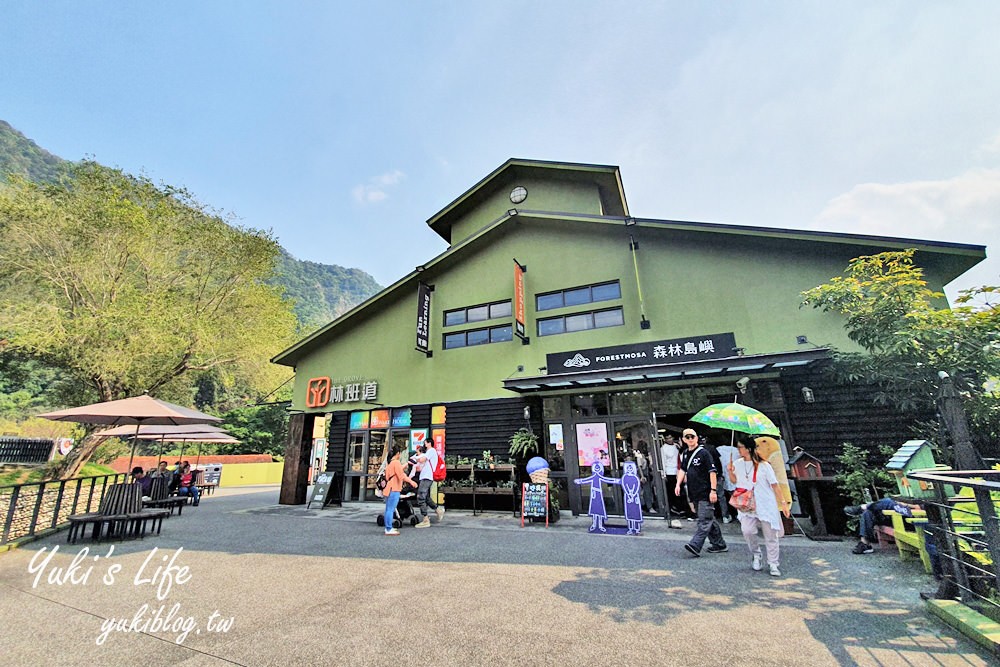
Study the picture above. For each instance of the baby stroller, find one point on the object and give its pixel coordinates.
(404, 510)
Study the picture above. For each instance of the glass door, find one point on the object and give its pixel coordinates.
(635, 441)
(378, 450)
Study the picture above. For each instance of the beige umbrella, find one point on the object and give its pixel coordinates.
(138, 410)
(168, 433)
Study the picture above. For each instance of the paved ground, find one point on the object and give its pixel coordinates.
(289, 586)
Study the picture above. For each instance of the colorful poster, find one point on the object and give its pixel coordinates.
(418, 436)
(319, 427)
(518, 300)
(380, 419)
(401, 418)
(438, 437)
(359, 420)
(592, 444)
(556, 436)
(439, 414)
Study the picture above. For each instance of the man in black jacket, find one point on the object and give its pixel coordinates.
(698, 469)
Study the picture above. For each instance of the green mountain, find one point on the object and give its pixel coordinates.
(22, 156)
(321, 292)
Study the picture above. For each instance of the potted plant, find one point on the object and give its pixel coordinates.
(523, 443)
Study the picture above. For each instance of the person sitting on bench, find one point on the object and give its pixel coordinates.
(144, 481)
(187, 484)
(871, 515)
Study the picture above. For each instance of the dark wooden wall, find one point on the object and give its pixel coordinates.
(477, 425)
(843, 413)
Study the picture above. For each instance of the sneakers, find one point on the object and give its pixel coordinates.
(426, 523)
(392, 532)
(727, 519)
(863, 548)
(440, 512)
(854, 510)
(712, 549)
(755, 564)
(691, 550)
(775, 572)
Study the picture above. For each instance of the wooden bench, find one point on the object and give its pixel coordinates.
(160, 498)
(120, 511)
(908, 534)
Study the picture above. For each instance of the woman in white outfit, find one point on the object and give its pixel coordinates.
(752, 472)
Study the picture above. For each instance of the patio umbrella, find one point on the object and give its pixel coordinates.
(169, 433)
(737, 417)
(138, 410)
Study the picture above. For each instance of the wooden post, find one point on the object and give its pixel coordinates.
(298, 450)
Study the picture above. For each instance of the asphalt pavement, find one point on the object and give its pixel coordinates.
(241, 580)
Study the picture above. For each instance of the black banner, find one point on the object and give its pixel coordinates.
(655, 353)
(423, 317)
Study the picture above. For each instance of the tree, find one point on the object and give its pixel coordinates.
(260, 430)
(908, 334)
(128, 287)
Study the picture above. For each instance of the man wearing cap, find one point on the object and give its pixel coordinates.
(698, 470)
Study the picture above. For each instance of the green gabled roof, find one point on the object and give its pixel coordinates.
(960, 256)
(953, 258)
(607, 178)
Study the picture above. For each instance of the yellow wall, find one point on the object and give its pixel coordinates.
(245, 474)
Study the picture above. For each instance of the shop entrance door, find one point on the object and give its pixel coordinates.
(366, 450)
(632, 437)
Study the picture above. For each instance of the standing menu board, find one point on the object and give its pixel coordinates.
(535, 501)
(321, 490)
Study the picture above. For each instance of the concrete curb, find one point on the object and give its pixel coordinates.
(969, 622)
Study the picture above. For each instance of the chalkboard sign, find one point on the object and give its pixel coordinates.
(321, 490)
(535, 501)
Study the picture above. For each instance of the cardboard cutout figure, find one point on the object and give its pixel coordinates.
(597, 511)
(631, 488)
(770, 451)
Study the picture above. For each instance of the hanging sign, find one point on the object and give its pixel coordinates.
(423, 317)
(518, 300)
(654, 353)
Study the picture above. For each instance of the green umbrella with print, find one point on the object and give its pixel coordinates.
(737, 417)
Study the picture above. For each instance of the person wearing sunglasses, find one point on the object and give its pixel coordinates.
(698, 470)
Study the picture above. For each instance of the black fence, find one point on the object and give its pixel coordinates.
(968, 534)
(25, 450)
(39, 506)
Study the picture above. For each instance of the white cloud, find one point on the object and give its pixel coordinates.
(374, 191)
(962, 209)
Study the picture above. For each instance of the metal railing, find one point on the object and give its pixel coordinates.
(967, 534)
(39, 506)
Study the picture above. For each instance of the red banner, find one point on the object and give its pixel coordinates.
(518, 300)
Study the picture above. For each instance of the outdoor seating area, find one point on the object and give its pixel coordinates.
(120, 514)
(160, 497)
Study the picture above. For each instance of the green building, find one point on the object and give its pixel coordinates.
(554, 308)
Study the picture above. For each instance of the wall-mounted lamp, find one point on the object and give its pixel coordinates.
(512, 212)
(421, 267)
(742, 384)
(630, 222)
(527, 413)
(807, 395)
(801, 340)
(739, 351)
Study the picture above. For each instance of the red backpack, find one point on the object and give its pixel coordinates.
(440, 471)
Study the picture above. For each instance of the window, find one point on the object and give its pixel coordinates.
(581, 322)
(480, 313)
(578, 296)
(501, 334)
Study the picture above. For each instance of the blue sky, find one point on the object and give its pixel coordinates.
(344, 126)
